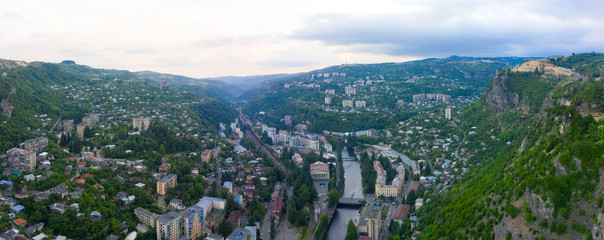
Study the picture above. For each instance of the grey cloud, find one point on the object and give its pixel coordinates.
(435, 33)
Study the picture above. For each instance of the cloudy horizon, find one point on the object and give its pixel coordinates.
(236, 38)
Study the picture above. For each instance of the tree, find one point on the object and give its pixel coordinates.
(224, 228)
(427, 170)
(351, 231)
(333, 197)
(87, 132)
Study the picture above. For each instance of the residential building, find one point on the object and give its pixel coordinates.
(213, 236)
(67, 126)
(327, 100)
(402, 212)
(192, 222)
(369, 221)
(297, 159)
(239, 234)
(287, 120)
(330, 91)
(206, 155)
(413, 186)
(359, 104)
(146, 217)
(177, 204)
(276, 211)
(313, 144)
(80, 130)
(319, 171)
(253, 231)
(347, 103)
(21, 159)
(350, 91)
(165, 183)
(141, 123)
(228, 185)
(388, 190)
(169, 226)
(91, 120)
(210, 203)
(36, 144)
(328, 147)
(448, 113)
(419, 97)
(400, 103)
(164, 169)
(419, 203)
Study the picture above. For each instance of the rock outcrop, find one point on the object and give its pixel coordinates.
(498, 97)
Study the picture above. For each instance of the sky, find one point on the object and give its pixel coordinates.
(200, 38)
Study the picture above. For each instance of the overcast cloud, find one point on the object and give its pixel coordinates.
(241, 37)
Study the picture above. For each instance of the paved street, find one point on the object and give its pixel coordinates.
(265, 228)
(286, 231)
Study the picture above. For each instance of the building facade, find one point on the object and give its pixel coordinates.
(141, 123)
(169, 226)
(21, 159)
(145, 216)
(36, 144)
(192, 222)
(165, 183)
(347, 103)
(319, 171)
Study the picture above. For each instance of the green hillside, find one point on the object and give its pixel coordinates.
(379, 86)
(540, 174)
(35, 96)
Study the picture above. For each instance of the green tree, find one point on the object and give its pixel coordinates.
(351, 231)
(333, 197)
(224, 228)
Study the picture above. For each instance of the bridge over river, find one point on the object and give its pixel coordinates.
(349, 204)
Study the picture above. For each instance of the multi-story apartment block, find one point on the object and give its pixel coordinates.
(350, 91)
(448, 113)
(21, 159)
(141, 123)
(146, 217)
(392, 190)
(287, 120)
(169, 226)
(313, 144)
(165, 183)
(347, 103)
(36, 144)
(192, 222)
(359, 104)
(369, 221)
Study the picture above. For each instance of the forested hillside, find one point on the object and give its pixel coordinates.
(541, 124)
(34, 96)
(379, 88)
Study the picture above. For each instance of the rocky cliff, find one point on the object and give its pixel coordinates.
(499, 97)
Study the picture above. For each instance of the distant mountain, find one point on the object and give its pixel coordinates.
(212, 88)
(247, 83)
(540, 176)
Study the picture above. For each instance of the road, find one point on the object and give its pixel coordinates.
(265, 228)
(250, 132)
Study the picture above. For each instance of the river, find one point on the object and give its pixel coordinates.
(353, 187)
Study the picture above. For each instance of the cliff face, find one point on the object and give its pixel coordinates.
(498, 97)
